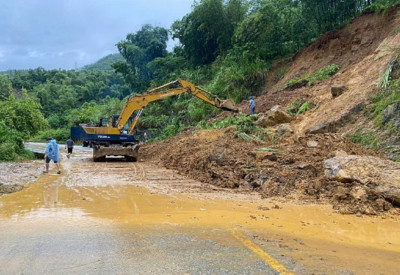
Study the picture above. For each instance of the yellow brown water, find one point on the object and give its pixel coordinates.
(111, 195)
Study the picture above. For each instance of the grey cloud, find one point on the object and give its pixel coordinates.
(59, 34)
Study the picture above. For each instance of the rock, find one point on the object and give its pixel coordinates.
(331, 125)
(392, 112)
(337, 90)
(379, 175)
(312, 144)
(285, 130)
(273, 117)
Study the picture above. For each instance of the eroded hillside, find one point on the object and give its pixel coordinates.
(306, 162)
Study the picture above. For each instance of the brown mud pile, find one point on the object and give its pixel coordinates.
(292, 169)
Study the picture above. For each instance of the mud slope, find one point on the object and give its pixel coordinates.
(294, 170)
(362, 50)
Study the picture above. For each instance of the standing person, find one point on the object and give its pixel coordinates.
(145, 136)
(52, 153)
(252, 105)
(69, 146)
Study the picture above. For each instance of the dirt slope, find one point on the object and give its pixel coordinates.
(362, 50)
(295, 171)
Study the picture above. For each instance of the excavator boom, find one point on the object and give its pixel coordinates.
(140, 101)
(111, 140)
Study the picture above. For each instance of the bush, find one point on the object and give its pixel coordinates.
(324, 73)
(242, 122)
(8, 151)
(299, 106)
(365, 138)
(61, 135)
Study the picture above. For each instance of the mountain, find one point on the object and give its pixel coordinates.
(104, 64)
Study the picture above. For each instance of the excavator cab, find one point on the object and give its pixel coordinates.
(112, 122)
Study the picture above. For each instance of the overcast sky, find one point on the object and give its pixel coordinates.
(56, 34)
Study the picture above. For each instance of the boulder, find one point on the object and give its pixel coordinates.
(378, 175)
(273, 117)
(337, 90)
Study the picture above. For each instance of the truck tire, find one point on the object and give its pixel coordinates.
(131, 159)
(99, 159)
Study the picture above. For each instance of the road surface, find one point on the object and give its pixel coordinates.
(137, 218)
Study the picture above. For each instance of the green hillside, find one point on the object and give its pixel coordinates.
(104, 64)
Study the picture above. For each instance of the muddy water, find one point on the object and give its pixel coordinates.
(133, 218)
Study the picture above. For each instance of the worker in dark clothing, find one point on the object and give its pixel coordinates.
(252, 105)
(69, 146)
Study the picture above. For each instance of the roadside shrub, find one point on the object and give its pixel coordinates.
(61, 135)
(8, 151)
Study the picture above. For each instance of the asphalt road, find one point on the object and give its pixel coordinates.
(129, 218)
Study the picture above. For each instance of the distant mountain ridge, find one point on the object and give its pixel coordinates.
(103, 64)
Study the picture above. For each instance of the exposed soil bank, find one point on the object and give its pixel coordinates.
(293, 170)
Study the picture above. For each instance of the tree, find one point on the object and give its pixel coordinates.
(138, 50)
(22, 115)
(5, 87)
(206, 32)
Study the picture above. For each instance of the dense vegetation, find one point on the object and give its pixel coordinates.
(226, 47)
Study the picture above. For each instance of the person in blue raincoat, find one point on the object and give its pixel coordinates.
(52, 153)
(252, 105)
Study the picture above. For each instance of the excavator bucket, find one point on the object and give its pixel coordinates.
(228, 105)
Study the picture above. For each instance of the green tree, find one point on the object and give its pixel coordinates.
(5, 87)
(206, 32)
(138, 50)
(22, 115)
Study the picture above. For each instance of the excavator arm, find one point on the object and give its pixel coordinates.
(111, 141)
(138, 102)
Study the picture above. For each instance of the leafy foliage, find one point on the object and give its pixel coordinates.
(365, 138)
(138, 50)
(207, 31)
(242, 122)
(324, 73)
(19, 119)
(61, 135)
(226, 47)
(22, 115)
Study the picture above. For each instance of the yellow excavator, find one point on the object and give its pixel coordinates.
(114, 136)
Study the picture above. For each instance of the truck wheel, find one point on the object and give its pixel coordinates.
(131, 159)
(99, 159)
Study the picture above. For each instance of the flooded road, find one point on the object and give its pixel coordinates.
(137, 218)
